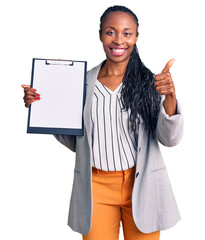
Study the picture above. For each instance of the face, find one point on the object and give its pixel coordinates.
(119, 35)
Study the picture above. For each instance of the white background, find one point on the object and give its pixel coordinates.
(36, 171)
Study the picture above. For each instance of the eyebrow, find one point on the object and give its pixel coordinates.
(114, 28)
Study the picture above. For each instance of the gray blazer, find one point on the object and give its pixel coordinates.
(153, 204)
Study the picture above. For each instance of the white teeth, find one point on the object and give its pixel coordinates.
(118, 50)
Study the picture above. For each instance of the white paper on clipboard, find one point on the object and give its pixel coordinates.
(60, 84)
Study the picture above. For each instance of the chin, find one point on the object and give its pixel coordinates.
(118, 59)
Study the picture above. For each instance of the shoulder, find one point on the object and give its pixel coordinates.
(97, 67)
(93, 72)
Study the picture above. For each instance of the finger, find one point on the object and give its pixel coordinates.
(168, 65)
(167, 92)
(162, 76)
(164, 87)
(24, 86)
(163, 82)
(27, 98)
(28, 92)
(36, 96)
(28, 102)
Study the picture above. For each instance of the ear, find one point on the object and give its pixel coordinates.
(137, 37)
(100, 35)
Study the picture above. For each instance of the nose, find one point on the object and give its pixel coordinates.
(118, 39)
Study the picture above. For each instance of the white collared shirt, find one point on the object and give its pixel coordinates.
(113, 144)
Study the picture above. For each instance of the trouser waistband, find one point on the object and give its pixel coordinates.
(99, 171)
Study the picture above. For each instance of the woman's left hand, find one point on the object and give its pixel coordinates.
(163, 81)
(165, 85)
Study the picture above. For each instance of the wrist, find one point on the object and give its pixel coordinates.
(170, 104)
(171, 96)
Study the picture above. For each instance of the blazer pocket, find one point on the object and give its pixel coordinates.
(158, 169)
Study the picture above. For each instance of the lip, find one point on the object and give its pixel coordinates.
(115, 47)
(118, 54)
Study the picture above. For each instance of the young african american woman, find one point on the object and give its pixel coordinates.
(119, 173)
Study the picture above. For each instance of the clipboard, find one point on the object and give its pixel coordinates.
(62, 87)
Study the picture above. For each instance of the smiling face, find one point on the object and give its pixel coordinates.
(118, 35)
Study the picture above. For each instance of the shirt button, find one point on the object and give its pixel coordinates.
(137, 174)
(139, 150)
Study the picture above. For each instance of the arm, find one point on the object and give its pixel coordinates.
(67, 140)
(169, 129)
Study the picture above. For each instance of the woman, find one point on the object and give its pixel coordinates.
(119, 172)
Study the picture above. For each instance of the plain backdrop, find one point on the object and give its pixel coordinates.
(36, 172)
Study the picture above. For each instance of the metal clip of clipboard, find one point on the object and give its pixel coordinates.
(59, 62)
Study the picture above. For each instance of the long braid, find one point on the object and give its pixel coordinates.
(138, 89)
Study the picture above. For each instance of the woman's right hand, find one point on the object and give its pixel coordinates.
(30, 95)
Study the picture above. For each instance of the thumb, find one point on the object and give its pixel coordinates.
(168, 65)
(24, 86)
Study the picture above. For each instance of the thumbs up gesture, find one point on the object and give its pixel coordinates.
(165, 85)
(163, 81)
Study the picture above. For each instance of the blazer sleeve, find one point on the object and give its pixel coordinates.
(169, 129)
(67, 140)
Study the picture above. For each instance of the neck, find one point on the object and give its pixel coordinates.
(115, 69)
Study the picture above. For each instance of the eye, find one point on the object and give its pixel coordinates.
(128, 34)
(110, 33)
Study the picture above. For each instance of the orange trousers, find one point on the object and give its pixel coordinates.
(112, 203)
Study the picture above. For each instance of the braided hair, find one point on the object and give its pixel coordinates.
(138, 89)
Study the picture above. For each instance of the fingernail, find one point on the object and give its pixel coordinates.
(34, 90)
(38, 94)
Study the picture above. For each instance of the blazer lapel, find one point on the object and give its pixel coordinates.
(140, 131)
(90, 84)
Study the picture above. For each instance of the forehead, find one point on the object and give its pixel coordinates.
(121, 19)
